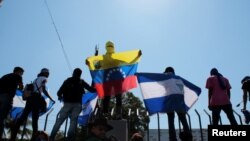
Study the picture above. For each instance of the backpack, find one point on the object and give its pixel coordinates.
(28, 90)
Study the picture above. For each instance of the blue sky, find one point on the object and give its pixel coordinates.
(191, 36)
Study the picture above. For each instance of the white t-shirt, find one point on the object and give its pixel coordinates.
(39, 82)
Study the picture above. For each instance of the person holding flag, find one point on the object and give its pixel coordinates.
(176, 87)
(113, 74)
(35, 104)
(8, 85)
(169, 93)
(71, 93)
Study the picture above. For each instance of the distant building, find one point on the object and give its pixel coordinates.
(153, 135)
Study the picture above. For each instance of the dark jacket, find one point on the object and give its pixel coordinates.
(9, 84)
(72, 90)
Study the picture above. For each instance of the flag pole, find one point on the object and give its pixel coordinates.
(148, 127)
(159, 130)
(46, 119)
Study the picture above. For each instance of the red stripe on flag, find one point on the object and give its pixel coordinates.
(116, 86)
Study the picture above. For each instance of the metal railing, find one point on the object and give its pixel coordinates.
(95, 114)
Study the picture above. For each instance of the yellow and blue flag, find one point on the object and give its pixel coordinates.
(114, 73)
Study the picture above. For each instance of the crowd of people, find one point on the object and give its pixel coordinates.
(74, 87)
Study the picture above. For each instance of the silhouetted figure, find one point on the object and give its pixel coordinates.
(34, 104)
(71, 93)
(8, 85)
(219, 97)
(246, 93)
(176, 86)
(246, 90)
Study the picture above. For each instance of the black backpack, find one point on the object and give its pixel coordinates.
(28, 90)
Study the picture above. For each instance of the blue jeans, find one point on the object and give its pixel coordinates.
(5, 107)
(71, 110)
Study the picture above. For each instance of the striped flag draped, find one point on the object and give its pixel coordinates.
(89, 101)
(19, 104)
(158, 97)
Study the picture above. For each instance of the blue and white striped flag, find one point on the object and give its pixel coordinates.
(159, 98)
(19, 104)
(89, 101)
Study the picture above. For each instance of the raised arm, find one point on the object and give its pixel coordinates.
(45, 90)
